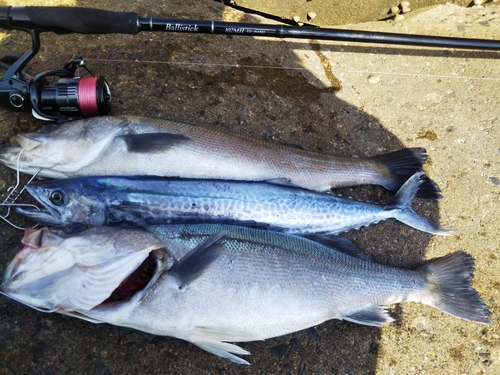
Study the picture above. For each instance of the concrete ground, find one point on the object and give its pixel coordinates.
(345, 99)
(327, 13)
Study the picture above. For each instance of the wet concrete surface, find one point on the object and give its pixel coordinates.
(335, 98)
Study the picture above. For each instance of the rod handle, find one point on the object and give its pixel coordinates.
(64, 20)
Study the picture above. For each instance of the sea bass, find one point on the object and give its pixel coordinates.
(131, 146)
(210, 284)
(141, 201)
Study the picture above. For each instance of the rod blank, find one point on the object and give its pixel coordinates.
(96, 21)
(278, 31)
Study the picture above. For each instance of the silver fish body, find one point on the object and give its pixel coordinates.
(128, 146)
(141, 201)
(210, 284)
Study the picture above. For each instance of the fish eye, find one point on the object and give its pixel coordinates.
(57, 197)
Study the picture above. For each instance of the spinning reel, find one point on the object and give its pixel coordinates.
(57, 95)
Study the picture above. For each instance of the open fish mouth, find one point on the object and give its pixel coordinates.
(136, 281)
(60, 270)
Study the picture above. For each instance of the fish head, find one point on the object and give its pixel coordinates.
(59, 150)
(80, 267)
(64, 202)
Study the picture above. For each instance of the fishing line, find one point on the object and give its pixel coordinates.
(349, 71)
(87, 96)
(60, 103)
(418, 75)
(10, 200)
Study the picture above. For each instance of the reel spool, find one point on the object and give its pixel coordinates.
(70, 97)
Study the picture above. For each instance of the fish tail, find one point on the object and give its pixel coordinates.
(449, 283)
(405, 213)
(401, 165)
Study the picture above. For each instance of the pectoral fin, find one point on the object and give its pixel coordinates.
(373, 315)
(153, 142)
(215, 333)
(223, 349)
(194, 263)
(210, 339)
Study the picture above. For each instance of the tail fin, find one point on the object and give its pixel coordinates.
(449, 283)
(404, 163)
(404, 213)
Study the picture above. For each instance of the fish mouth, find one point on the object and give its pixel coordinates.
(42, 215)
(45, 215)
(136, 282)
(28, 141)
(28, 160)
(9, 155)
(91, 271)
(133, 284)
(12, 158)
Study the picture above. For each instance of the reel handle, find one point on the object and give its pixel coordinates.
(64, 20)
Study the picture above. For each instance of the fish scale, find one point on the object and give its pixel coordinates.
(140, 201)
(214, 284)
(131, 146)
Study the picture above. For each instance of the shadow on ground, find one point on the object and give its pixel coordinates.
(279, 105)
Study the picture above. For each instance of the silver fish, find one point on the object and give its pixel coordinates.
(131, 146)
(210, 284)
(141, 201)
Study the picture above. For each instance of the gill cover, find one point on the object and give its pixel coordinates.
(74, 271)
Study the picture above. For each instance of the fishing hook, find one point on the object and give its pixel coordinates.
(10, 200)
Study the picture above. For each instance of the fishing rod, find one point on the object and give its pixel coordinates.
(74, 97)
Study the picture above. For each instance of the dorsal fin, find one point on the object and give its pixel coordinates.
(339, 243)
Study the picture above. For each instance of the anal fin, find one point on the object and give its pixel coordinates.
(223, 349)
(373, 315)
